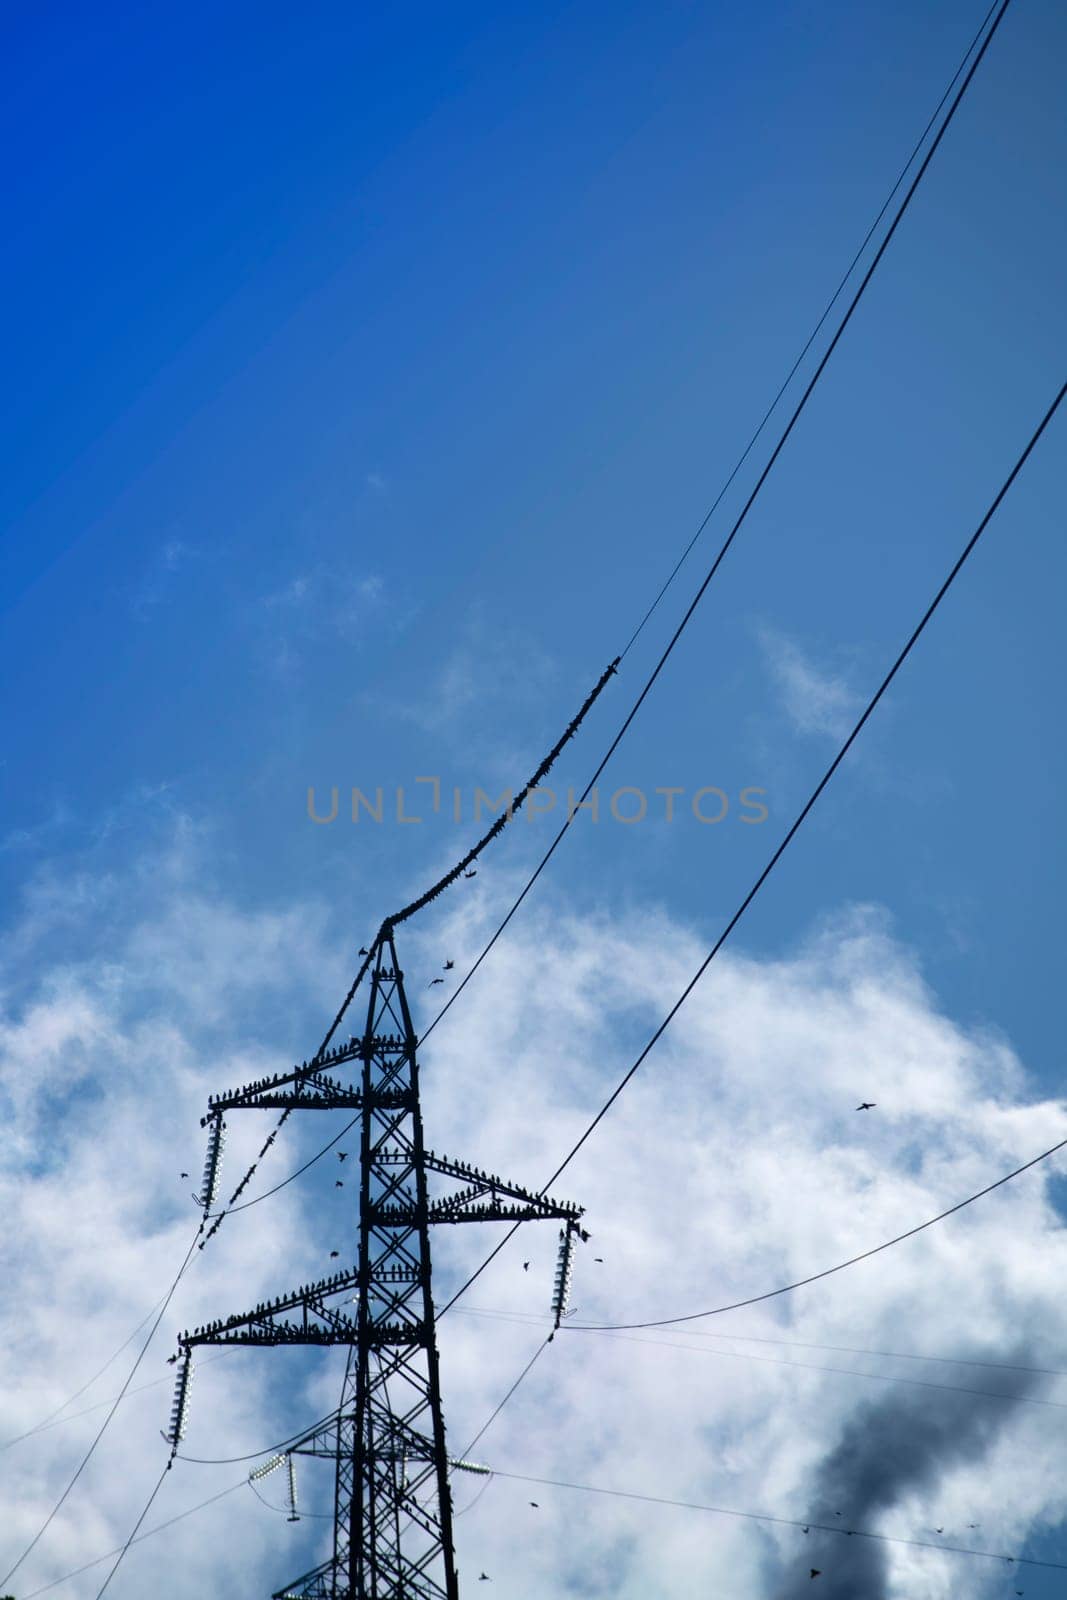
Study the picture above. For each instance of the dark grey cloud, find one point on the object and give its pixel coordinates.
(888, 1448)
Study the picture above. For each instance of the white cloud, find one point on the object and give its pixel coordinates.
(734, 1162)
(815, 700)
(293, 619)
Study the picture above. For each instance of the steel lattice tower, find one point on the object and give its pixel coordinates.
(392, 1535)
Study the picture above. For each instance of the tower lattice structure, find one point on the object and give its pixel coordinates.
(392, 1532)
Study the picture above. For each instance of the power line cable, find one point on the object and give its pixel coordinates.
(135, 1529)
(827, 1272)
(784, 1522)
(758, 885)
(86, 1458)
(841, 1372)
(59, 1422)
(160, 1527)
(487, 1424)
(529, 1318)
(50, 1421)
(760, 481)
(812, 336)
(472, 855)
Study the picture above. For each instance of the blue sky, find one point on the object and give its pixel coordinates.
(367, 372)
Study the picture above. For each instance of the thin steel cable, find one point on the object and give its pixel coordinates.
(840, 1372)
(812, 336)
(769, 868)
(760, 481)
(542, 771)
(529, 1318)
(104, 1425)
(160, 1527)
(52, 1419)
(784, 1522)
(87, 1411)
(827, 1272)
(254, 1455)
(135, 1530)
(487, 1424)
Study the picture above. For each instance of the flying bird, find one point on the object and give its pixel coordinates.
(526, 1266)
(483, 1577)
(338, 1184)
(448, 966)
(600, 1259)
(867, 1105)
(816, 1572)
(183, 1174)
(334, 1254)
(473, 873)
(433, 981)
(535, 1505)
(363, 950)
(939, 1530)
(341, 1155)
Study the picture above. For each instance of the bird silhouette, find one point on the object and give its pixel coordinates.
(473, 873)
(600, 1259)
(803, 1530)
(334, 1254)
(526, 1266)
(535, 1505)
(483, 1577)
(939, 1530)
(342, 1154)
(363, 950)
(338, 1184)
(183, 1174)
(433, 981)
(867, 1105)
(816, 1572)
(448, 966)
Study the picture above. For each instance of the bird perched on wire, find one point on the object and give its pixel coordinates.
(867, 1105)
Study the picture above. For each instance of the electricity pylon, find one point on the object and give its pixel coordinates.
(392, 1535)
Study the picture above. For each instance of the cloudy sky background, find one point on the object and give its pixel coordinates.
(365, 383)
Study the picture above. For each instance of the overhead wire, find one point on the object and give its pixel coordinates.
(543, 769)
(51, 1419)
(87, 1411)
(529, 1318)
(800, 1366)
(135, 1529)
(785, 1522)
(87, 1457)
(776, 856)
(160, 1527)
(431, 894)
(809, 341)
(739, 521)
